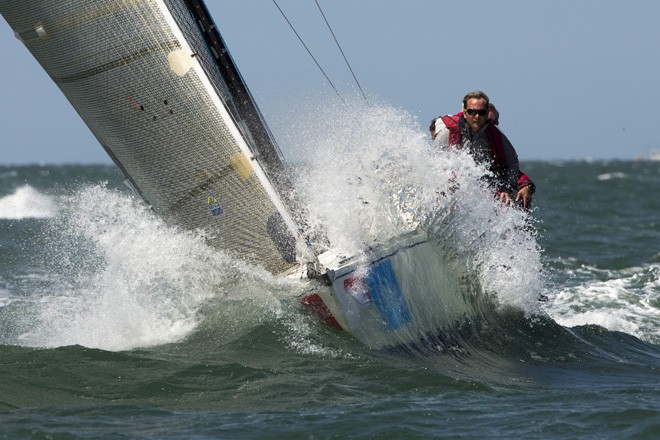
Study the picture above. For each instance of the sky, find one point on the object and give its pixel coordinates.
(572, 79)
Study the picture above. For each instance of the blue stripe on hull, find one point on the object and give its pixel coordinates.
(387, 295)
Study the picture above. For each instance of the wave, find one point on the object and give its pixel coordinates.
(626, 301)
(118, 278)
(610, 176)
(26, 202)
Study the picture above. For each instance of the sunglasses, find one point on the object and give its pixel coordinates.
(480, 112)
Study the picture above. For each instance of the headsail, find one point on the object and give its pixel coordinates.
(156, 85)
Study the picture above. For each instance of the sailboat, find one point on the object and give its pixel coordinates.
(156, 84)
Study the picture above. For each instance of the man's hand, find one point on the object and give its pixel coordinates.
(505, 198)
(525, 194)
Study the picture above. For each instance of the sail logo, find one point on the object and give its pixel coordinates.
(214, 205)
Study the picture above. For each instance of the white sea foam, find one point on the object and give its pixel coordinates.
(610, 176)
(26, 202)
(122, 279)
(628, 302)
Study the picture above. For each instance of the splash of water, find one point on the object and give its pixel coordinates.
(26, 202)
(119, 278)
(370, 173)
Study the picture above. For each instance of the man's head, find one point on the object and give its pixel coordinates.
(475, 110)
(493, 114)
(432, 127)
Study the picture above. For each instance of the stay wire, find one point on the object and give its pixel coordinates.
(309, 52)
(340, 50)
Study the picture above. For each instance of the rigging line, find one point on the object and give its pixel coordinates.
(308, 51)
(340, 50)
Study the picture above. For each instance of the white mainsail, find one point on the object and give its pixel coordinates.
(154, 82)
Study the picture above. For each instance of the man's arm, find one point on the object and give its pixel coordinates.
(512, 167)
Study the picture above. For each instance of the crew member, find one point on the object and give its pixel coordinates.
(475, 129)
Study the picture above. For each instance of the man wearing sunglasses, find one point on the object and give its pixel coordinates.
(473, 130)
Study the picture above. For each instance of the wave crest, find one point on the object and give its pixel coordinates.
(26, 202)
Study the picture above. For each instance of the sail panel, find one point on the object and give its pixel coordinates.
(132, 75)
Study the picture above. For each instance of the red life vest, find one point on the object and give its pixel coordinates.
(496, 145)
(494, 137)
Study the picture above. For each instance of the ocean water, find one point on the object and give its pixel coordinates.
(116, 325)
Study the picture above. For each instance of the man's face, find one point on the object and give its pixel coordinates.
(476, 112)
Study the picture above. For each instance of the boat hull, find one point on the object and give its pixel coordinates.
(396, 294)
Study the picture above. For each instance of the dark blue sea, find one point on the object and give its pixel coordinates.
(114, 325)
